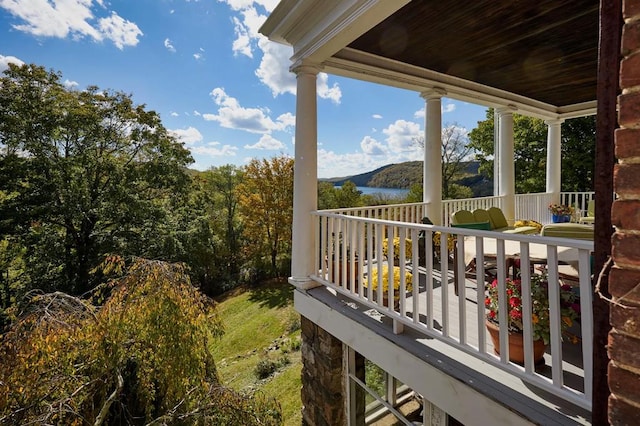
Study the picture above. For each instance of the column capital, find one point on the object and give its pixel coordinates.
(305, 67)
(433, 93)
(554, 121)
(506, 109)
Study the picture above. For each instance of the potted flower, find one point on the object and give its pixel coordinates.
(560, 213)
(569, 312)
(408, 279)
(396, 249)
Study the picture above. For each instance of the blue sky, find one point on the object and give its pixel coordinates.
(220, 86)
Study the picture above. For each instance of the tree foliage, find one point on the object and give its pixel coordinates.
(266, 204)
(143, 357)
(530, 151)
(84, 173)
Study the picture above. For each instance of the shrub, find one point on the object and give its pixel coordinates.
(264, 369)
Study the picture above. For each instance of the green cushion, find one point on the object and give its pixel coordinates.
(481, 215)
(568, 230)
(486, 226)
(462, 216)
(497, 218)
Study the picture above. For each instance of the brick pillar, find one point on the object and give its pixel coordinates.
(624, 283)
(323, 391)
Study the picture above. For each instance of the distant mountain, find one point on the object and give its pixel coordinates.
(403, 175)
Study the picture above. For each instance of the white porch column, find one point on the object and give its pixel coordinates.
(432, 167)
(305, 177)
(507, 166)
(554, 156)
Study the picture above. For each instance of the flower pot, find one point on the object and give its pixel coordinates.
(516, 345)
(338, 279)
(557, 218)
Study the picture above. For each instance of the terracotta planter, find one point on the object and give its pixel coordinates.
(516, 345)
(338, 279)
(385, 300)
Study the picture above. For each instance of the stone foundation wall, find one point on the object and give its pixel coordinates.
(323, 390)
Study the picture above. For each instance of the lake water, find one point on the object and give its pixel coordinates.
(392, 192)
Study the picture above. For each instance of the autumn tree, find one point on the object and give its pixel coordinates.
(266, 203)
(83, 173)
(142, 357)
(530, 152)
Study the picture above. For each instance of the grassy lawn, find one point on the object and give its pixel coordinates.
(261, 325)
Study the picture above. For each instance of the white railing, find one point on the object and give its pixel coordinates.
(353, 248)
(451, 206)
(528, 206)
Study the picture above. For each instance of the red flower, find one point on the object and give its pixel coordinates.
(515, 302)
(487, 302)
(492, 314)
(515, 314)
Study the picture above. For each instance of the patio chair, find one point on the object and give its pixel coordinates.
(590, 218)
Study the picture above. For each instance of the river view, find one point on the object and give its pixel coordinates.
(392, 192)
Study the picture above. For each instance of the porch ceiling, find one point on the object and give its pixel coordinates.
(544, 50)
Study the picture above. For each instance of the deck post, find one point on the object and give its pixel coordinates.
(432, 166)
(554, 157)
(507, 167)
(305, 177)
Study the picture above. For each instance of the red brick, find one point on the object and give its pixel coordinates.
(630, 71)
(629, 109)
(623, 349)
(626, 319)
(625, 214)
(626, 180)
(627, 143)
(624, 383)
(621, 413)
(630, 38)
(624, 250)
(630, 8)
(624, 283)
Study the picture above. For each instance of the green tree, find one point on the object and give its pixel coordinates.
(530, 151)
(88, 173)
(142, 357)
(330, 197)
(266, 203)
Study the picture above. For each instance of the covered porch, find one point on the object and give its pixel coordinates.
(537, 59)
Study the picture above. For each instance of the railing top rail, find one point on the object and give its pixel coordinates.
(525, 238)
(380, 206)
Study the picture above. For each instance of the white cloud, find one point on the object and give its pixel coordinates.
(71, 18)
(401, 135)
(197, 56)
(174, 114)
(255, 120)
(376, 116)
(267, 142)
(6, 60)
(273, 70)
(215, 149)
(371, 146)
(450, 107)
(242, 43)
(169, 46)
(70, 84)
(238, 5)
(189, 136)
(196, 113)
(332, 93)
